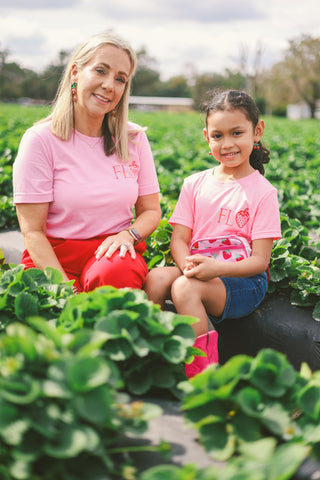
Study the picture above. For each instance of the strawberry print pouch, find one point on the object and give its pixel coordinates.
(229, 249)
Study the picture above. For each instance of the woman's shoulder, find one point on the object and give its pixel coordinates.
(42, 129)
(134, 128)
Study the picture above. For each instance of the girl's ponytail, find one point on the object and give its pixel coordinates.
(258, 157)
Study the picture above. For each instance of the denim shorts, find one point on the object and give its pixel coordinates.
(244, 295)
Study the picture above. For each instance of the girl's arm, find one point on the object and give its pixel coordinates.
(32, 219)
(148, 215)
(204, 268)
(179, 244)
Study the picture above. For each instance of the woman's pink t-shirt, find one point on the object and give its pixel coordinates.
(89, 193)
(247, 207)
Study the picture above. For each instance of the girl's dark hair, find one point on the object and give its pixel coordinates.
(238, 100)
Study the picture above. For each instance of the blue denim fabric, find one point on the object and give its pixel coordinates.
(244, 295)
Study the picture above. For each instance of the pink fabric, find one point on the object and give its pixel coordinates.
(90, 194)
(227, 249)
(247, 207)
(208, 343)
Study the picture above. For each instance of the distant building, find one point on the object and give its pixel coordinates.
(301, 110)
(171, 104)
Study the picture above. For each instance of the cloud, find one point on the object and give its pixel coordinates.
(183, 10)
(27, 45)
(38, 4)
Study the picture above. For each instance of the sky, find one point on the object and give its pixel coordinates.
(183, 36)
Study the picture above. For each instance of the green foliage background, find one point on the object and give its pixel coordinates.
(179, 149)
(42, 359)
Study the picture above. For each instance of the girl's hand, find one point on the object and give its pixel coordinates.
(122, 241)
(201, 267)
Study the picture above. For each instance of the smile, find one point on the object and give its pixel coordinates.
(230, 155)
(100, 98)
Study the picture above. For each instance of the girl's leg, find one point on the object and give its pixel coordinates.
(197, 298)
(158, 284)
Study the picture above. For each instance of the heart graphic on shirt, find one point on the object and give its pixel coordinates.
(242, 217)
(134, 167)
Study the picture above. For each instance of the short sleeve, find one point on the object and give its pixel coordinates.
(32, 171)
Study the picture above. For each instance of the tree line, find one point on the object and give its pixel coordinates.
(295, 78)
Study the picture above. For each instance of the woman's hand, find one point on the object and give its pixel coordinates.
(122, 241)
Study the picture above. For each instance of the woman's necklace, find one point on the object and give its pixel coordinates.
(91, 145)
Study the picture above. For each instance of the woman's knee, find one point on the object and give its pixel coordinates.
(119, 273)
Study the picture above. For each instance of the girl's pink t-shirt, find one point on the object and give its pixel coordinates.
(89, 193)
(247, 207)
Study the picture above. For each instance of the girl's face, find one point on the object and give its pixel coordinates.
(231, 136)
(101, 82)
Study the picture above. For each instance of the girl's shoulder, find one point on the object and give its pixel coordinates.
(199, 177)
(260, 181)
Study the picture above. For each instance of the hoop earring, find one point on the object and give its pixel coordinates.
(74, 91)
(256, 146)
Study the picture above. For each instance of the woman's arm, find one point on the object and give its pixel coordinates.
(205, 268)
(148, 215)
(32, 219)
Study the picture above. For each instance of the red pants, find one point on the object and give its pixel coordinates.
(78, 260)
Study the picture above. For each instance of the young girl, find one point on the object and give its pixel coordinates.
(231, 199)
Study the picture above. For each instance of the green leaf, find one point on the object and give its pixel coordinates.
(286, 460)
(250, 401)
(217, 441)
(173, 350)
(85, 374)
(96, 406)
(261, 450)
(20, 391)
(139, 382)
(118, 349)
(25, 305)
(72, 440)
(309, 401)
(316, 312)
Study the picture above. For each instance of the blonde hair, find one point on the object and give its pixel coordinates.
(115, 129)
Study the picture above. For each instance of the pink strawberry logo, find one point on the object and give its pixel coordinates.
(226, 254)
(239, 257)
(134, 167)
(242, 217)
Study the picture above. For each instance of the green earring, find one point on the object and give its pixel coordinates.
(74, 90)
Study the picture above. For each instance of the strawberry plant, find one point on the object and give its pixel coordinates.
(148, 345)
(257, 413)
(61, 415)
(25, 293)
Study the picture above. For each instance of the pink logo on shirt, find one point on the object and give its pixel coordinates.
(242, 217)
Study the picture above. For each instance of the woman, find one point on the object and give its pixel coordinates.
(81, 172)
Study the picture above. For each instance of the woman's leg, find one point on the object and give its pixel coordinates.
(115, 271)
(197, 298)
(158, 284)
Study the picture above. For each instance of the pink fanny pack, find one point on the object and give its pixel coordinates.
(229, 249)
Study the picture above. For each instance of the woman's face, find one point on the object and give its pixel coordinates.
(101, 82)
